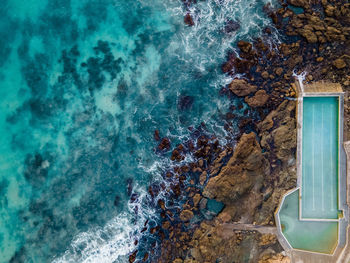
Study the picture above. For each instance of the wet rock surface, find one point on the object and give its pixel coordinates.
(246, 166)
(241, 87)
(249, 181)
(250, 174)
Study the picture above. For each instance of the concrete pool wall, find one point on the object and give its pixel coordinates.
(341, 216)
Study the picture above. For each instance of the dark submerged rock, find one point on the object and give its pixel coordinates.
(185, 102)
(188, 20)
(116, 200)
(132, 257)
(164, 145)
(231, 26)
(156, 135)
(129, 183)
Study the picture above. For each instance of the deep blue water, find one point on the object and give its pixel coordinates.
(83, 86)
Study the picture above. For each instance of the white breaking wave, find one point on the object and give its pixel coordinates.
(92, 246)
(203, 45)
(206, 41)
(112, 243)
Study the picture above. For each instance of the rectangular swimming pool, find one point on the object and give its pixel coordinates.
(320, 149)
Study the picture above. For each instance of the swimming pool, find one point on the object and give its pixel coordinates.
(316, 236)
(309, 217)
(320, 147)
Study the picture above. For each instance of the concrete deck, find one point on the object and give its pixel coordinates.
(322, 87)
(347, 151)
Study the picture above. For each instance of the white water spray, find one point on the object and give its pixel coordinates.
(300, 77)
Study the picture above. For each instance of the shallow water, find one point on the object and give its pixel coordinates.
(83, 86)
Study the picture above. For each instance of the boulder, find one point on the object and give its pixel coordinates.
(196, 199)
(258, 100)
(278, 258)
(186, 215)
(267, 239)
(265, 75)
(203, 177)
(278, 131)
(244, 46)
(241, 87)
(132, 256)
(164, 145)
(339, 63)
(188, 20)
(329, 10)
(299, 3)
(245, 167)
(279, 71)
(308, 33)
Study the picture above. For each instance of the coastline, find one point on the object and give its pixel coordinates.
(251, 179)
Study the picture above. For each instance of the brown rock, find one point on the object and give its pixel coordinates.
(214, 240)
(203, 177)
(164, 144)
(242, 65)
(279, 71)
(196, 199)
(166, 225)
(224, 217)
(132, 257)
(145, 257)
(299, 3)
(339, 63)
(278, 138)
(244, 46)
(293, 61)
(201, 163)
(329, 10)
(307, 32)
(267, 239)
(161, 204)
(283, 137)
(156, 135)
(258, 100)
(246, 166)
(265, 75)
(186, 215)
(188, 20)
(240, 87)
(178, 260)
(279, 258)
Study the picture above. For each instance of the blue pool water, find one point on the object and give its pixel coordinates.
(320, 157)
(316, 236)
(83, 86)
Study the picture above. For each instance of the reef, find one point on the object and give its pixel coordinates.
(246, 181)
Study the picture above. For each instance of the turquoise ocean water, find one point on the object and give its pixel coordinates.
(83, 86)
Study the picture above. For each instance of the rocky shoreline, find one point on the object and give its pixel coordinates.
(246, 183)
